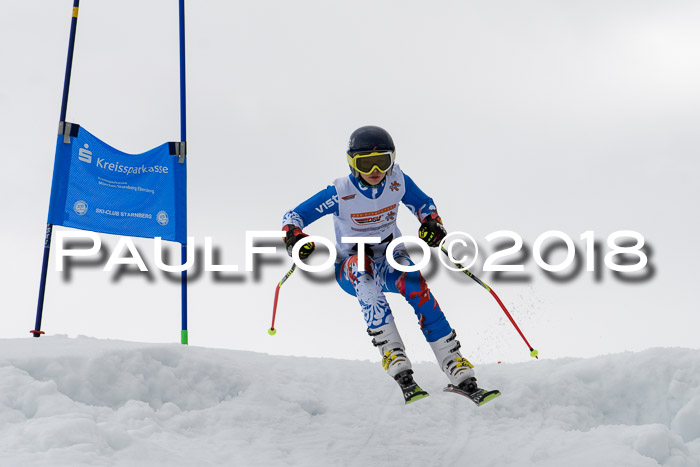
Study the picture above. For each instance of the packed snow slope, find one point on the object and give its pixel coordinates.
(96, 402)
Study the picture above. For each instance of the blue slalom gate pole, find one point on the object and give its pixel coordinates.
(37, 332)
(184, 337)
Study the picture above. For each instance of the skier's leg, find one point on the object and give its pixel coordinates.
(380, 321)
(363, 285)
(433, 323)
(412, 286)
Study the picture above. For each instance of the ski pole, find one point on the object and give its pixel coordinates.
(272, 331)
(533, 352)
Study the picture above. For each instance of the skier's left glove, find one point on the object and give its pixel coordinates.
(293, 235)
(431, 230)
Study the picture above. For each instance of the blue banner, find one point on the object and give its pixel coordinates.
(96, 187)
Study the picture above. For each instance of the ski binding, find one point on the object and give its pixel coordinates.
(410, 389)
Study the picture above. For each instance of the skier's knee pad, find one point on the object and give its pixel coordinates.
(387, 339)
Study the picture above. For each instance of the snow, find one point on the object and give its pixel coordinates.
(84, 401)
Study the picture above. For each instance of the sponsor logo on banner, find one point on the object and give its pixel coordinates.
(130, 170)
(80, 207)
(374, 217)
(84, 154)
(162, 218)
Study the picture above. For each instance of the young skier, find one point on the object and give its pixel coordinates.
(365, 204)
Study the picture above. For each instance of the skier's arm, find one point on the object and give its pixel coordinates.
(420, 204)
(322, 203)
(423, 207)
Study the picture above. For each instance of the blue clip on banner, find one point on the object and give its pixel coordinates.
(96, 187)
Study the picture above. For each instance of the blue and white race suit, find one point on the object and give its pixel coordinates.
(362, 211)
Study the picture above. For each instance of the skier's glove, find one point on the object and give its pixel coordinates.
(432, 230)
(293, 235)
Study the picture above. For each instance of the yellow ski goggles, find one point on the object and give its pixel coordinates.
(366, 162)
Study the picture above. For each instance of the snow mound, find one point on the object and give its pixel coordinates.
(96, 402)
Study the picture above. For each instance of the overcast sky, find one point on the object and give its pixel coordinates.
(521, 116)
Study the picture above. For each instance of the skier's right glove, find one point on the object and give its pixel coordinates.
(293, 235)
(432, 230)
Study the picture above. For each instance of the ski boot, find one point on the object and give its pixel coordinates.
(394, 360)
(459, 371)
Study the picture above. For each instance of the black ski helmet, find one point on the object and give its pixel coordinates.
(369, 138)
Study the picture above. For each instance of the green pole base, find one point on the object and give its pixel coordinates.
(183, 337)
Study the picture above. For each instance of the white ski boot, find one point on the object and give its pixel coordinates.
(459, 371)
(457, 368)
(387, 339)
(394, 360)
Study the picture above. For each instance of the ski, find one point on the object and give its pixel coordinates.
(413, 392)
(479, 396)
(410, 389)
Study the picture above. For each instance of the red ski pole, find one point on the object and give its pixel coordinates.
(272, 331)
(533, 352)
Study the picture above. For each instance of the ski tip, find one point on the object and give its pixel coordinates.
(489, 397)
(417, 396)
